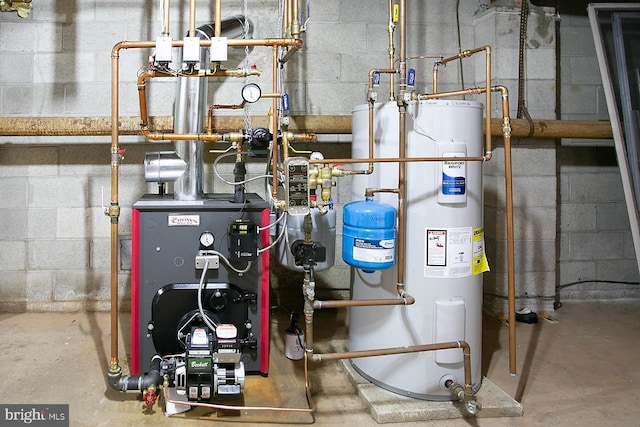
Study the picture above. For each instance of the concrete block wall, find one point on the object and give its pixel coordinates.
(54, 237)
(597, 258)
(533, 162)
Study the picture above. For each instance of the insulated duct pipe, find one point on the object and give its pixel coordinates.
(319, 124)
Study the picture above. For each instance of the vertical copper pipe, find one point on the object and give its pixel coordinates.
(511, 286)
(403, 46)
(295, 23)
(435, 77)
(402, 166)
(487, 113)
(392, 76)
(142, 98)
(274, 124)
(166, 18)
(192, 18)
(113, 208)
(296, 10)
(218, 18)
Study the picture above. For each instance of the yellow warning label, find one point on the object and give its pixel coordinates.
(479, 263)
(396, 13)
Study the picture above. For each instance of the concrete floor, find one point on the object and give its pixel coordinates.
(579, 371)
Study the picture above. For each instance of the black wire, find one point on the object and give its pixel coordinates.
(615, 282)
(541, 297)
(566, 285)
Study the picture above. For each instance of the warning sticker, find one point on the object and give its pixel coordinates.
(480, 263)
(448, 252)
(437, 247)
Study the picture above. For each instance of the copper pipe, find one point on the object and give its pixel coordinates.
(402, 148)
(274, 125)
(218, 18)
(391, 52)
(114, 211)
(164, 136)
(166, 19)
(510, 238)
(192, 18)
(295, 23)
(371, 101)
(466, 352)
(370, 192)
(403, 47)
(405, 300)
(399, 160)
(289, 14)
(271, 95)
(206, 43)
(486, 89)
(487, 112)
(217, 107)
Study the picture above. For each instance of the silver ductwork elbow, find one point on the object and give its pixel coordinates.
(163, 166)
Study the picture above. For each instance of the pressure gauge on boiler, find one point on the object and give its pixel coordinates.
(251, 92)
(206, 240)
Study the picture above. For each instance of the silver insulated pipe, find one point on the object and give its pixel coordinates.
(190, 111)
(190, 107)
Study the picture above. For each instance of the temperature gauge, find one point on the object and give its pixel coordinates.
(251, 93)
(207, 240)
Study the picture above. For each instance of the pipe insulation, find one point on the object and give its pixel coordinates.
(320, 124)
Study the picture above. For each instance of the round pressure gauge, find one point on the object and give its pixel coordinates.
(251, 92)
(207, 239)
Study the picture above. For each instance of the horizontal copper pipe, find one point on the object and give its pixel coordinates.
(320, 124)
(399, 160)
(466, 351)
(296, 43)
(319, 305)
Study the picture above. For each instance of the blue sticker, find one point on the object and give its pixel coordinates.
(376, 78)
(411, 77)
(285, 101)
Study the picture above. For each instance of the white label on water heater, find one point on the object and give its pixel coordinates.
(448, 252)
(452, 174)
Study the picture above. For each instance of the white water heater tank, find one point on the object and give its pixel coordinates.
(444, 254)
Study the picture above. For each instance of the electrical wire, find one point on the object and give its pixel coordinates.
(210, 323)
(226, 261)
(417, 127)
(273, 224)
(566, 285)
(282, 233)
(614, 282)
(217, 173)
